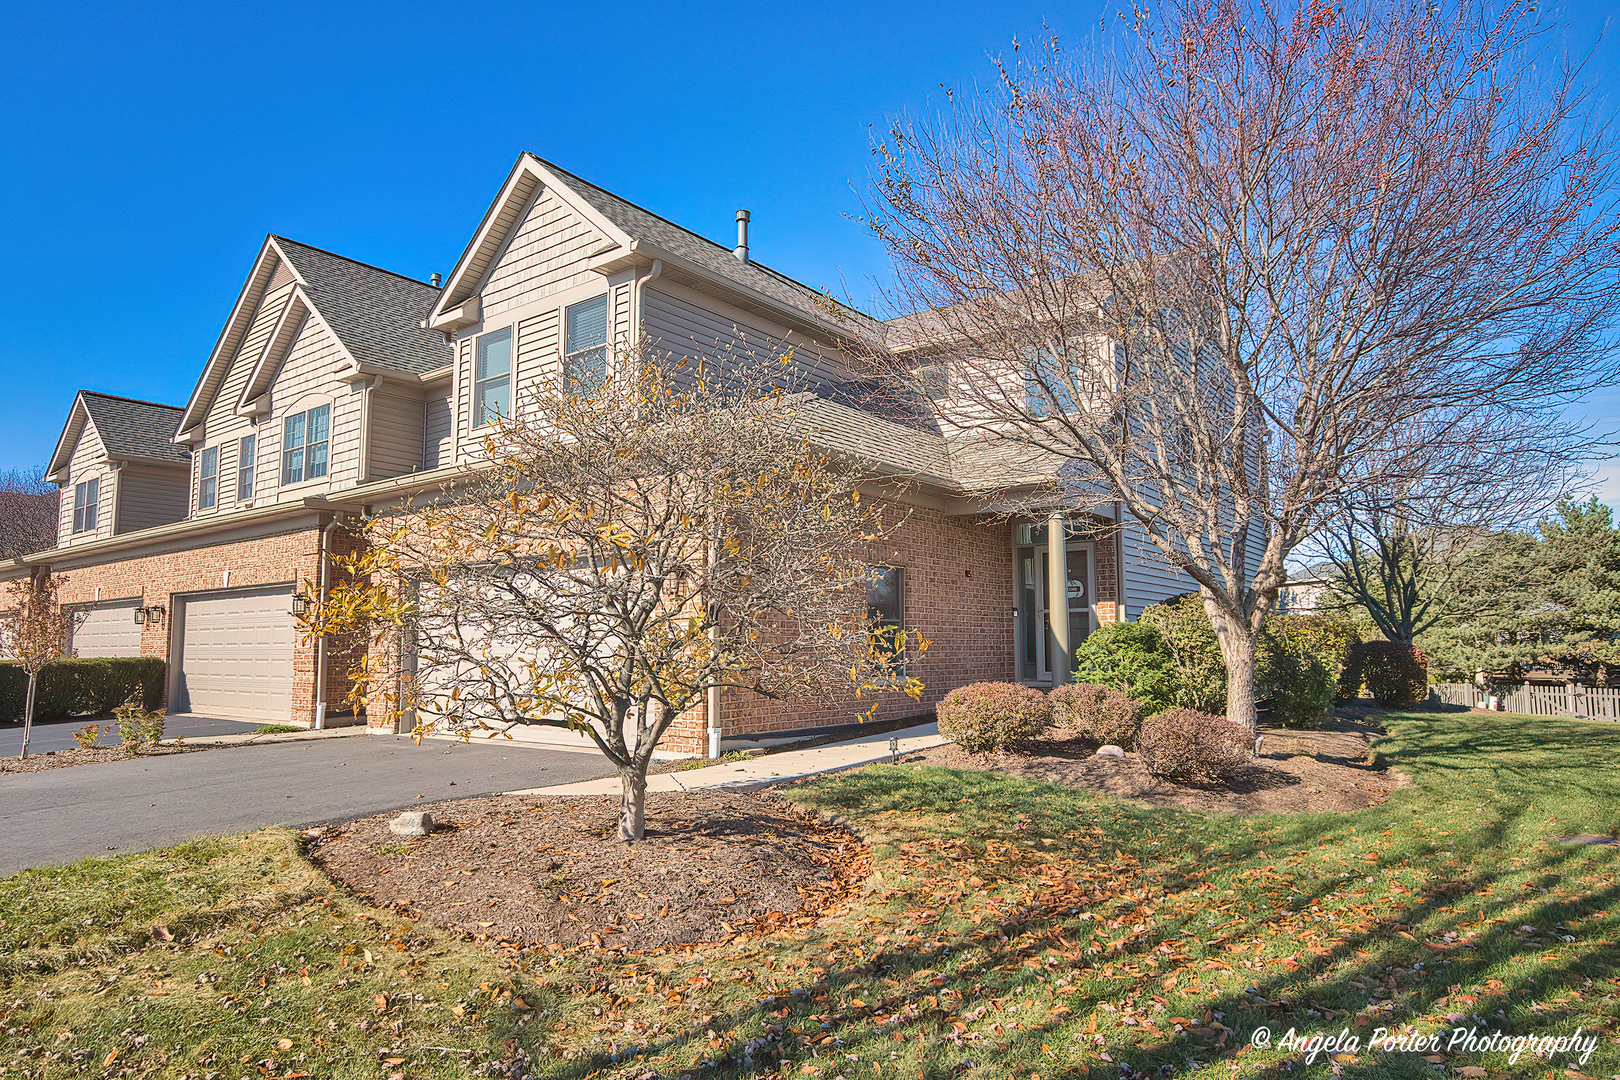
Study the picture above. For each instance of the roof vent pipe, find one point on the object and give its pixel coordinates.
(742, 236)
(435, 280)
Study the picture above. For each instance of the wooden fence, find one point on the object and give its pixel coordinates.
(1538, 699)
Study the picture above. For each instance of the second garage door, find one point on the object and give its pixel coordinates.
(108, 630)
(236, 654)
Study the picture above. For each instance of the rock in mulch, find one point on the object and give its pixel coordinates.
(1329, 769)
(551, 871)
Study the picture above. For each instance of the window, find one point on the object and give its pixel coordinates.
(208, 486)
(885, 606)
(585, 346)
(492, 379)
(84, 505)
(245, 458)
(303, 445)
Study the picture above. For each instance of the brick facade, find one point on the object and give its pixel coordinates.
(286, 558)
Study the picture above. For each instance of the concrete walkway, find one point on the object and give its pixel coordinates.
(767, 769)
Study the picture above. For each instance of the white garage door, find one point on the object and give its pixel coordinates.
(236, 654)
(108, 630)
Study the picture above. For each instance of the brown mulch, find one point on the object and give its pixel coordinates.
(61, 759)
(551, 871)
(1296, 772)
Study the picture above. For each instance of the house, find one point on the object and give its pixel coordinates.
(339, 389)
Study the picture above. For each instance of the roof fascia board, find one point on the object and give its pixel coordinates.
(288, 326)
(741, 296)
(242, 313)
(62, 456)
(462, 284)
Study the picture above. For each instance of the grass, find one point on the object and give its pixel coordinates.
(275, 729)
(1012, 929)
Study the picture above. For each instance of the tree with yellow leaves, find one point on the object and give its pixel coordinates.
(622, 553)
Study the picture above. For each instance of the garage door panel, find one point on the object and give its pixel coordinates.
(236, 654)
(107, 630)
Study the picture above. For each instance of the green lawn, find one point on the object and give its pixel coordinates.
(1012, 929)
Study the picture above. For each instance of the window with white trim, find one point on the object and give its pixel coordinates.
(85, 497)
(585, 346)
(246, 456)
(208, 482)
(492, 378)
(304, 444)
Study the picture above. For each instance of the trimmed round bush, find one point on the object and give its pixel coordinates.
(983, 718)
(1185, 744)
(1096, 712)
(1395, 674)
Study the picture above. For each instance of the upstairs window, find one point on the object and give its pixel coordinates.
(246, 453)
(304, 443)
(585, 346)
(85, 497)
(492, 378)
(208, 486)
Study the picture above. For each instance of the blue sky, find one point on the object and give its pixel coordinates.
(146, 148)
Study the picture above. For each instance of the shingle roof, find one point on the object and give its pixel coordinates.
(376, 313)
(135, 429)
(717, 259)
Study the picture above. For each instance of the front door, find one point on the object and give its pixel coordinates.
(1037, 648)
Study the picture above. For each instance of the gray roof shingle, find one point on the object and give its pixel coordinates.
(136, 429)
(717, 259)
(376, 313)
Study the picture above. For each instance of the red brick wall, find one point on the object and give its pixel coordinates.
(958, 595)
(155, 579)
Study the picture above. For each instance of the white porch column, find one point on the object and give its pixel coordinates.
(1057, 596)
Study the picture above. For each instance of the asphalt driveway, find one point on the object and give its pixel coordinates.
(51, 735)
(60, 815)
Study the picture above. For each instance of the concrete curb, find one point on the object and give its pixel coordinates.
(249, 737)
(767, 770)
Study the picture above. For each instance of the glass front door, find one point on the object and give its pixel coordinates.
(1037, 648)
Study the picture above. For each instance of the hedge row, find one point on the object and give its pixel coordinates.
(88, 687)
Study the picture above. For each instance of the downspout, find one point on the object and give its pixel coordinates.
(640, 311)
(320, 642)
(712, 695)
(1121, 612)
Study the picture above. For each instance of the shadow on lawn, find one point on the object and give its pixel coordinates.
(1459, 863)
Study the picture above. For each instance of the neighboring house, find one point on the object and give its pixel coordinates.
(338, 389)
(1303, 592)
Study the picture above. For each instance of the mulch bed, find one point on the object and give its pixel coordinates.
(550, 871)
(1296, 772)
(61, 759)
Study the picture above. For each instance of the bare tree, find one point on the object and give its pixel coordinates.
(35, 630)
(1399, 539)
(1209, 271)
(28, 512)
(624, 553)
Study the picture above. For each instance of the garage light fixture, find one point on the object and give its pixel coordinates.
(140, 616)
(299, 603)
(153, 613)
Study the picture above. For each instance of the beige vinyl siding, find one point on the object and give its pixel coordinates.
(89, 462)
(680, 326)
(150, 495)
(308, 378)
(466, 443)
(547, 252)
(438, 423)
(396, 433)
(537, 356)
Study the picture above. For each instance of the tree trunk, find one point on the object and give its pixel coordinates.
(1237, 649)
(633, 803)
(28, 713)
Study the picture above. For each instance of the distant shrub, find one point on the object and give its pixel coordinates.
(1302, 690)
(1096, 712)
(1333, 641)
(86, 736)
(87, 687)
(1395, 674)
(1200, 667)
(983, 718)
(1184, 744)
(1133, 658)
